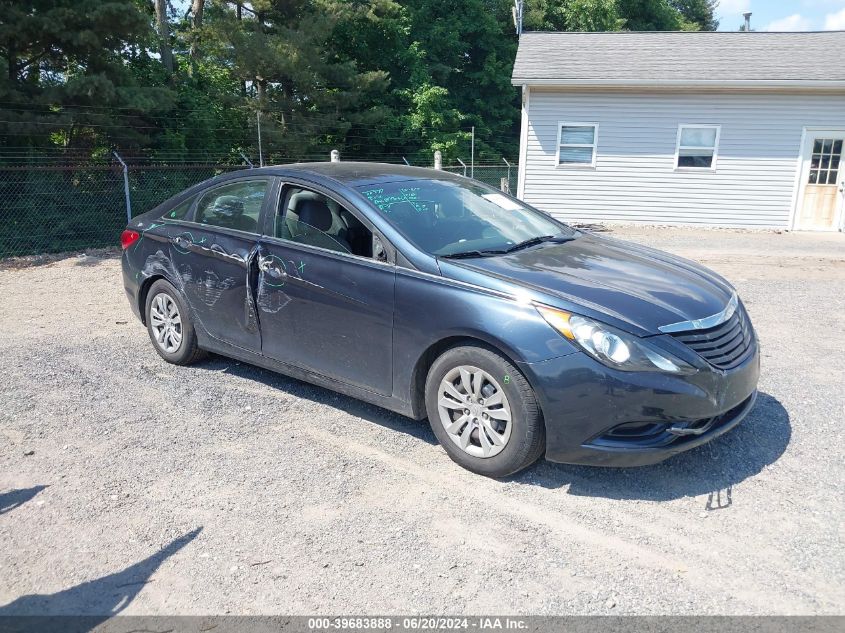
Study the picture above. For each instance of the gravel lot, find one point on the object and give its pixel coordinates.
(221, 488)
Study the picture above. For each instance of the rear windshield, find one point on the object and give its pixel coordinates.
(446, 217)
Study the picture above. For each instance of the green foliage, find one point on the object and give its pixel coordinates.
(64, 62)
(376, 79)
(700, 15)
(572, 15)
(466, 50)
(649, 15)
(373, 78)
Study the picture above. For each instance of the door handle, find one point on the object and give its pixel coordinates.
(188, 243)
(268, 265)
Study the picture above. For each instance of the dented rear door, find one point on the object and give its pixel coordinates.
(214, 257)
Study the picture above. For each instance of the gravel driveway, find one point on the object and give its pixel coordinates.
(221, 488)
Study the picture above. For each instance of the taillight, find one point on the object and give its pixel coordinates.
(128, 238)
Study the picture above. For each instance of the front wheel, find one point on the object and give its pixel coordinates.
(484, 412)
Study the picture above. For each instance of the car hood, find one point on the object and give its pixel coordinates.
(637, 287)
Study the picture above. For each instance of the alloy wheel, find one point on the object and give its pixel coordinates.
(474, 411)
(166, 323)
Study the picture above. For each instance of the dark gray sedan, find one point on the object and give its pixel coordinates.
(436, 296)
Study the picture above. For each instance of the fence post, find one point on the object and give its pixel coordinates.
(125, 186)
(465, 166)
(438, 160)
(248, 161)
(335, 156)
(260, 150)
(509, 170)
(472, 155)
(504, 184)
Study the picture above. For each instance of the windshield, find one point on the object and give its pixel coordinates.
(448, 218)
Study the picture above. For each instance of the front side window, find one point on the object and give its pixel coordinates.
(451, 217)
(697, 146)
(235, 206)
(577, 144)
(308, 217)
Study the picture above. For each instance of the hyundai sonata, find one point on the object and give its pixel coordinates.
(436, 296)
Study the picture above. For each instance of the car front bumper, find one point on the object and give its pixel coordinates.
(603, 417)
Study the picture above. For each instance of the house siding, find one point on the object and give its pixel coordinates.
(635, 180)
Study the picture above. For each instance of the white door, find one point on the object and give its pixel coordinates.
(822, 191)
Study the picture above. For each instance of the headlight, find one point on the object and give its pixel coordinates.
(613, 347)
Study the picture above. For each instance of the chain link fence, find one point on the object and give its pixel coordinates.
(53, 205)
(502, 176)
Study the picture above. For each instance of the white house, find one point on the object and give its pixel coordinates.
(726, 129)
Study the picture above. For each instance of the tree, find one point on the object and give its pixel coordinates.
(163, 29)
(282, 50)
(448, 68)
(467, 48)
(649, 15)
(374, 78)
(197, 9)
(572, 15)
(700, 13)
(66, 67)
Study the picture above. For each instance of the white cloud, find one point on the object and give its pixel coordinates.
(835, 21)
(794, 22)
(734, 6)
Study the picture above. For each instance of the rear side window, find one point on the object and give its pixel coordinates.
(235, 206)
(179, 211)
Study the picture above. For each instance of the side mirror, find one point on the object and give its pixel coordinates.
(379, 252)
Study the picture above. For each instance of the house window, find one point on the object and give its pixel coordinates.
(697, 146)
(577, 144)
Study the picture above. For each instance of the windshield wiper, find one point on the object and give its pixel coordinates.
(539, 240)
(475, 253)
(525, 244)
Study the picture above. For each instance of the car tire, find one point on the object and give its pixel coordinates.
(459, 430)
(163, 300)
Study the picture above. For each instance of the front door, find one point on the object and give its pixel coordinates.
(821, 194)
(325, 299)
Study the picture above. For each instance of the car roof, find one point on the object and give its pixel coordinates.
(354, 174)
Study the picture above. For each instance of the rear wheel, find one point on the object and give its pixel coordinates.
(169, 325)
(484, 412)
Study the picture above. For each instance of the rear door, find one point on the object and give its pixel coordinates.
(325, 300)
(213, 260)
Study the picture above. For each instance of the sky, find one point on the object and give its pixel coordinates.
(783, 15)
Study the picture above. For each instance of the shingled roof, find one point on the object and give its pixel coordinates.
(666, 58)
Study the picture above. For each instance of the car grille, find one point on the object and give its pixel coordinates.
(724, 346)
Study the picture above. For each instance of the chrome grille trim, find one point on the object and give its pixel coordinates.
(705, 323)
(724, 346)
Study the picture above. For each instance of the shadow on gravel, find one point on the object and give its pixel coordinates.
(300, 389)
(713, 468)
(103, 597)
(14, 498)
